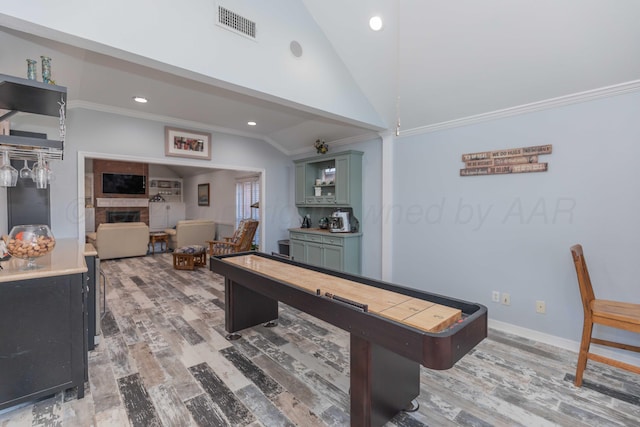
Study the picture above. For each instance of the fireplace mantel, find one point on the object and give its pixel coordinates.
(117, 202)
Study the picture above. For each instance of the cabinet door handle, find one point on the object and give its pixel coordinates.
(103, 282)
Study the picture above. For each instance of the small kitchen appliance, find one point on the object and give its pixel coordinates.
(339, 222)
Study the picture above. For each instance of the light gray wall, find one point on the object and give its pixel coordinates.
(468, 236)
(162, 171)
(222, 195)
(370, 223)
(113, 135)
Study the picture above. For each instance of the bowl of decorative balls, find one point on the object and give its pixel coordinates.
(30, 242)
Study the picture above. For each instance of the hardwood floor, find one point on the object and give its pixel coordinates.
(164, 361)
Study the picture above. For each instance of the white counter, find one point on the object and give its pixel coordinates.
(66, 258)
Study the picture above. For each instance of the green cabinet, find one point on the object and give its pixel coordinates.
(300, 177)
(337, 251)
(297, 247)
(329, 180)
(324, 184)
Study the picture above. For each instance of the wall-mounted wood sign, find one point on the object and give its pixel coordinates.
(512, 160)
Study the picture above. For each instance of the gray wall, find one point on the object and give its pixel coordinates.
(114, 135)
(468, 236)
(222, 201)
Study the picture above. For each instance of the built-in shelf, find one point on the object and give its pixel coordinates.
(165, 189)
(30, 96)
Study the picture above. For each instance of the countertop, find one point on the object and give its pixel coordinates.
(89, 250)
(66, 258)
(324, 232)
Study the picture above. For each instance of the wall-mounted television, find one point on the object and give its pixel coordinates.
(119, 183)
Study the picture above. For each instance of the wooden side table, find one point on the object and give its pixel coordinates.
(158, 236)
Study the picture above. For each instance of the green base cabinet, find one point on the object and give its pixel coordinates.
(337, 251)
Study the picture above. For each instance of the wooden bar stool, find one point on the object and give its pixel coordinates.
(614, 314)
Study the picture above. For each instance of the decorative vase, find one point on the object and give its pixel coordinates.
(31, 69)
(46, 69)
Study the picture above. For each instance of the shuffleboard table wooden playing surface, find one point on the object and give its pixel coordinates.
(393, 329)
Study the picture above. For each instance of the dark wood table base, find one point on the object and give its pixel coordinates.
(385, 356)
(383, 383)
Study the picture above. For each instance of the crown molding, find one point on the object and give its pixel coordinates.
(561, 101)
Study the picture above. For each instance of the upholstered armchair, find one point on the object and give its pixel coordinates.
(239, 242)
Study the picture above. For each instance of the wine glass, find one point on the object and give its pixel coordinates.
(25, 172)
(40, 173)
(8, 174)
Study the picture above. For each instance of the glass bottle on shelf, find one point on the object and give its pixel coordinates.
(31, 69)
(46, 69)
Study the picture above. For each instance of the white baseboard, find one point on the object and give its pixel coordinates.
(562, 343)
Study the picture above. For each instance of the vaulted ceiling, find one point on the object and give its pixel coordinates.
(435, 62)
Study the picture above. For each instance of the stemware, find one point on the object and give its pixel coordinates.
(25, 172)
(8, 174)
(40, 173)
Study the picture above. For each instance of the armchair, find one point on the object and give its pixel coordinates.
(239, 242)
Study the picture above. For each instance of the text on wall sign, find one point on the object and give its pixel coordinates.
(511, 160)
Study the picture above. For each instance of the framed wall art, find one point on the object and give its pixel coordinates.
(187, 143)
(203, 194)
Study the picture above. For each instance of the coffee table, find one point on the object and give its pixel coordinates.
(158, 236)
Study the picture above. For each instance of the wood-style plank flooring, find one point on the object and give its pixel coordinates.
(164, 361)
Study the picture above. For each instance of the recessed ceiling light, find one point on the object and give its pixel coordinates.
(251, 123)
(375, 23)
(140, 99)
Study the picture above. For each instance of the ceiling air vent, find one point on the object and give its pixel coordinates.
(235, 22)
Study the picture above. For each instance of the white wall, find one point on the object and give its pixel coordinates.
(467, 236)
(163, 37)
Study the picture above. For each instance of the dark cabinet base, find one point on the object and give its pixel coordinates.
(42, 338)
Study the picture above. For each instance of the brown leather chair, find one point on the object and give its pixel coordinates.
(614, 314)
(240, 242)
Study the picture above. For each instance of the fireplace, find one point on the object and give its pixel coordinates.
(123, 216)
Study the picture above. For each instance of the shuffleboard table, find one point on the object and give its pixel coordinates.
(393, 329)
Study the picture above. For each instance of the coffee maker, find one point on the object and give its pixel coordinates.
(339, 222)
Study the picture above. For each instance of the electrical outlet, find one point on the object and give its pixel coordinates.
(495, 296)
(541, 307)
(506, 299)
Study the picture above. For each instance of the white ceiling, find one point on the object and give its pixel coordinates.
(434, 62)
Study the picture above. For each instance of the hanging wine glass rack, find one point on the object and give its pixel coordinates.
(30, 96)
